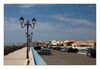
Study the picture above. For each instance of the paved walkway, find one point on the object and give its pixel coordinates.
(18, 58)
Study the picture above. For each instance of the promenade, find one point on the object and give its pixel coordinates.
(18, 58)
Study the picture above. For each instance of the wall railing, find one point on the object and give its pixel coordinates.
(38, 60)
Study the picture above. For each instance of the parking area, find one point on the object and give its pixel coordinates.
(64, 58)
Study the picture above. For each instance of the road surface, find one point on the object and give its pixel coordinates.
(64, 58)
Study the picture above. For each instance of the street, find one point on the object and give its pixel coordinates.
(64, 58)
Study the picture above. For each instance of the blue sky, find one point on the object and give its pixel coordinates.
(54, 21)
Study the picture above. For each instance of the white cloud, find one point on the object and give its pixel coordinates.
(32, 5)
(26, 5)
(74, 21)
(46, 26)
(51, 30)
(91, 6)
(11, 24)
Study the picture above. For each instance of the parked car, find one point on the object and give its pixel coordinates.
(54, 47)
(72, 50)
(91, 52)
(38, 49)
(45, 51)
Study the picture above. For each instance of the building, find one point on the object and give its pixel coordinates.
(91, 43)
(83, 44)
(53, 42)
(68, 43)
(60, 42)
(39, 43)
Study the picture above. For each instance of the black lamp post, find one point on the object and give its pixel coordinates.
(27, 24)
(31, 37)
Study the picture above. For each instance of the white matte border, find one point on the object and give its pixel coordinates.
(2, 2)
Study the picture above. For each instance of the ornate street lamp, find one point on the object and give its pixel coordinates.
(27, 24)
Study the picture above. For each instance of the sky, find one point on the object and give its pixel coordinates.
(53, 21)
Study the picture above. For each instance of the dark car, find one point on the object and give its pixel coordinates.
(45, 51)
(38, 49)
(72, 50)
(91, 52)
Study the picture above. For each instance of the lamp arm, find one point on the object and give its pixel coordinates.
(22, 25)
(32, 25)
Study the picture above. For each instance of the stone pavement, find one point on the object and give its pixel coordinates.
(18, 58)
